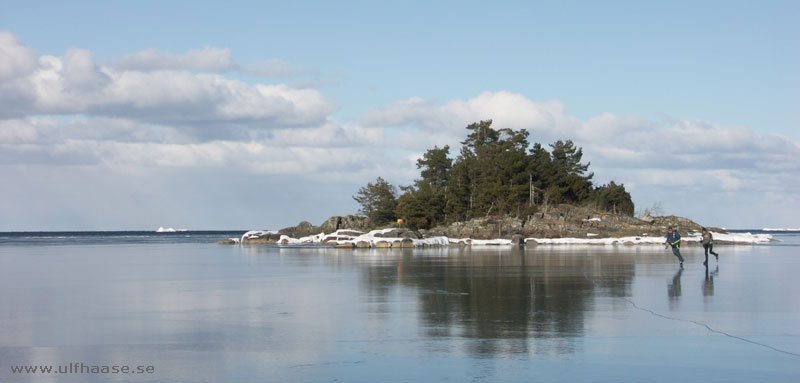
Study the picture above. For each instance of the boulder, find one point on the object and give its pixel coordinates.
(410, 234)
(345, 222)
(383, 244)
(363, 244)
(303, 229)
(262, 238)
(646, 217)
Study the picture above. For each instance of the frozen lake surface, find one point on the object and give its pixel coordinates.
(198, 311)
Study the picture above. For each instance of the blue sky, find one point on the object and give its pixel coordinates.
(374, 84)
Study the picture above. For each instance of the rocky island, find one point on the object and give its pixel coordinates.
(499, 190)
(561, 224)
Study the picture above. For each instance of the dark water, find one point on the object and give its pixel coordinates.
(198, 311)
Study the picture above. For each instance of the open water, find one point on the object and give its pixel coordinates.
(196, 311)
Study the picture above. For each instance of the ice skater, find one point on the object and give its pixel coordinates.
(674, 240)
(708, 245)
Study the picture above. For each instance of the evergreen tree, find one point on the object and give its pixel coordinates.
(377, 201)
(421, 208)
(496, 172)
(613, 198)
(573, 186)
(497, 163)
(460, 187)
(424, 205)
(541, 172)
(435, 166)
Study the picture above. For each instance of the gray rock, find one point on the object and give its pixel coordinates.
(646, 217)
(561, 221)
(303, 229)
(262, 239)
(345, 222)
(410, 234)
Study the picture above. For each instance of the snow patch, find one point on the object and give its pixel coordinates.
(161, 229)
(256, 233)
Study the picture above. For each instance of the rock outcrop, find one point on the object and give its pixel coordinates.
(303, 229)
(553, 225)
(345, 222)
(565, 221)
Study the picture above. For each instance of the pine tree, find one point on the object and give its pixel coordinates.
(495, 173)
(435, 166)
(613, 198)
(377, 201)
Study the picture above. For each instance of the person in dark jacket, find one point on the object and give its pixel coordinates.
(674, 240)
(708, 245)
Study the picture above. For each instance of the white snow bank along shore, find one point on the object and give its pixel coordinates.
(744, 238)
(480, 242)
(252, 234)
(768, 229)
(375, 238)
(738, 238)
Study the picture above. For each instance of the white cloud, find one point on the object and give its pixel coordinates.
(16, 59)
(507, 110)
(208, 59)
(76, 84)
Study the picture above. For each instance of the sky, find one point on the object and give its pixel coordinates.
(258, 115)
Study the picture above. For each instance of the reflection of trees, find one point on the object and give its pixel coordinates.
(504, 298)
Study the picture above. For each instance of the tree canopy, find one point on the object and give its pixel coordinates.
(496, 172)
(377, 201)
